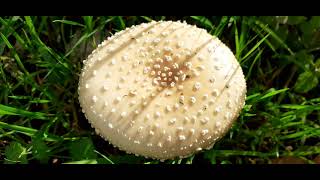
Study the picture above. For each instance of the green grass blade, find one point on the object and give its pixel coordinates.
(81, 40)
(105, 157)
(69, 22)
(89, 161)
(122, 23)
(253, 63)
(32, 132)
(7, 110)
(226, 153)
(49, 50)
(253, 96)
(298, 107)
(236, 38)
(223, 22)
(306, 133)
(15, 34)
(266, 41)
(203, 21)
(21, 129)
(243, 59)
(88, 20)
(16, 56)
(147, 18)
(274, 92)
(274, 35)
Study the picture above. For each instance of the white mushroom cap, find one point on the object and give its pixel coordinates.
(162, 89)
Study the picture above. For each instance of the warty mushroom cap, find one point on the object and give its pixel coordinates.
(162, 89)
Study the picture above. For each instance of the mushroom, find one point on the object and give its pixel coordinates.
(162, 89)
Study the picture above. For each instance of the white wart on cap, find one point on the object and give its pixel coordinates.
(162, 89)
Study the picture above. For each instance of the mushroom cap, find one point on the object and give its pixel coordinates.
(162, 89)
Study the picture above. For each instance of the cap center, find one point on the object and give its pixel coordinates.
(166, 71)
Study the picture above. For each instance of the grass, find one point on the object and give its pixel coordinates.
(41, 58)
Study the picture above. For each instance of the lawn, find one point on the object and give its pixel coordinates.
(41, 120)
